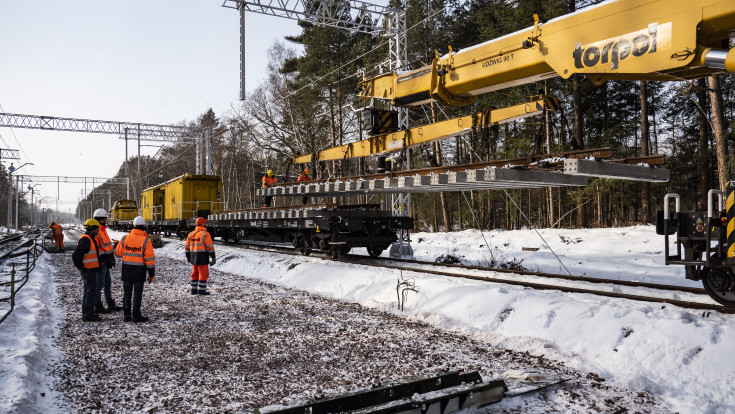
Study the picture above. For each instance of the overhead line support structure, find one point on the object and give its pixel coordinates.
(142, 131)
(373, 19)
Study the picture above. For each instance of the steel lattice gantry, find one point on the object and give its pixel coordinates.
(148, 132)
(125, 130)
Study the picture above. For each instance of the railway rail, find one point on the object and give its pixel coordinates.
(437, 269)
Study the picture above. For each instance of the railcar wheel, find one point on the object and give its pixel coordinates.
(374, 251)
(344, 249)
(334, 252)
(305, 251)
(719, 284)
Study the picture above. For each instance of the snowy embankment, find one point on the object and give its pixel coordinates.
(676, 354)
(679, 356)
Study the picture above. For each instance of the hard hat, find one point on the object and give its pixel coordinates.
(270, 173)
(201, 221)
(100, 212)
(91, 223)
(52, 223)
(139, 221)
(306, 170)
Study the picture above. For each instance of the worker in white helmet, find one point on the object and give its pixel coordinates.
(107, 261)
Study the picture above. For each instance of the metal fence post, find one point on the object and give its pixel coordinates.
(12, 288)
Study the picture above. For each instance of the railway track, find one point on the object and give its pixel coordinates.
(653, 292)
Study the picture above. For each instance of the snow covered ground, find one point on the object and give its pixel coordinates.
(680, 357)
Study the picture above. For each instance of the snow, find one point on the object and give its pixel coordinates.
(682, 358)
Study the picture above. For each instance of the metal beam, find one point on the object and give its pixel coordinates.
(352, 15)
(591, 168)
(397, 141)
(76, 180)
(148, 132)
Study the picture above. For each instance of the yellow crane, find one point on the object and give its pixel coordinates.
(661, 40)
(615, 40)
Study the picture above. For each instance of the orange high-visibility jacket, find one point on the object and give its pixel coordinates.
(199, 246)
(137, 255)
(303, 177)
(90, 260)
(269, 181)
(103, 241)
(57, 230)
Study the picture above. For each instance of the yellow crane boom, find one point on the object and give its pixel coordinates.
(616, 40)
(397, 141)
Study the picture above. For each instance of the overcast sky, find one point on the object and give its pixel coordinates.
(159, 61)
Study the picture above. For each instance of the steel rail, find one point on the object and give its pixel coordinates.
(540, 286)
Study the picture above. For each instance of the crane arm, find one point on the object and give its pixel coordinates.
(397, 141)
(616, 40)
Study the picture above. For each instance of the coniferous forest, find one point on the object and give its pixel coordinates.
(307, 104)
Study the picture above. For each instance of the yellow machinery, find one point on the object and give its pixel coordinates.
(397, 141)
(183, 198)
(616, 40)
(622, 40)
(123, 210)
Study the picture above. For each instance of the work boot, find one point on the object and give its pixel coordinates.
(127, 318)
(140, 319)
(203, 293)
(93, 318)
(100, 309)
(112, 307)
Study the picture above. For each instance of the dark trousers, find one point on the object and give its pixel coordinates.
(267, 201)
(305, 200)
(89, 277)
(134, 289)
(103, 283)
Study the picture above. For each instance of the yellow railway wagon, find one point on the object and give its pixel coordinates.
(183, 198)
(124, 210)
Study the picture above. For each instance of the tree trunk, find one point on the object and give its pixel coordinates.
(579, 142)
(718, 121)
(438, 162)
(704, 167)
(645, 139)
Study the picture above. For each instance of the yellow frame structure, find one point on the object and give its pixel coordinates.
(397, 141)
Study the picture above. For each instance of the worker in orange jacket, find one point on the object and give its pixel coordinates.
(304, 178)
(107, 261)
(268, 181)
(86, 259)
(199, 249)
(58, 236)
(136, 251)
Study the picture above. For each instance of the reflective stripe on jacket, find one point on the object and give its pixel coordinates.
(199, 245)
(136, 250)
(268, 181)
(90, 260)
(103, 241)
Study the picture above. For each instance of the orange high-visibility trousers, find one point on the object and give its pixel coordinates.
(199, 277)
(59, 239)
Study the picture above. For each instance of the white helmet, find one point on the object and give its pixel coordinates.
(139, 221)
(100, 212)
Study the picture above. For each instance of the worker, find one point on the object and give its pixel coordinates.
(304, 178)
(58, 235)
(86, 259)
(268, 181)
(107, 261)
(199, 250)
(136, 251)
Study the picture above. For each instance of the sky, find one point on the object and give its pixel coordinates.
(682, 357)
(155, 62)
